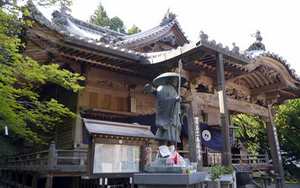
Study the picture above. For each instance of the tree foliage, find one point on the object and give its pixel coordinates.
(13, 3)
(288, 125)
(134, 29)
(117, 24)
(22, 109)
(251, 132)
(101, 18)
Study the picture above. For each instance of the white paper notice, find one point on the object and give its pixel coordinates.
(164, 151)
(114, 158)
(107, 167)
(221, 102)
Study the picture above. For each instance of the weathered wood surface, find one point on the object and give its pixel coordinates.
(112, 91)
(72, 162)
(212, 100)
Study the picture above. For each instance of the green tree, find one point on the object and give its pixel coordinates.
(22, 109)
(251, 132)
(100, 17)
(287, 119)
(117, 24)
(134, 29)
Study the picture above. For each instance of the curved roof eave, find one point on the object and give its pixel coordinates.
(159, 57)
(274, 67)
(284, 63)
(291, 72)
(152, 34)
(42, 20)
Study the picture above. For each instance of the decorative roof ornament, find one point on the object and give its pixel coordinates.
(203, 37)
(258, 36)
(169, 16)
(64, 9)
(257, 45)
(60, 19)
(235, 48)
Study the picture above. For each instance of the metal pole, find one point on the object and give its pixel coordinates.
(224, 118)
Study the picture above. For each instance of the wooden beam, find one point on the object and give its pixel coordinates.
(96, 62)
(257, 80)
(268, 88)
(290, 94)
(253, 81)
(261, 77)
(211, 100)
(275, 148)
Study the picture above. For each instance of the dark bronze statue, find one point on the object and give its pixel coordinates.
(165, 88)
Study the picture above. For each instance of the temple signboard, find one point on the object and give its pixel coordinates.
(116, 148)
(116, 158)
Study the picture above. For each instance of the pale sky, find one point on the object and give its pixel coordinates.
(224, 21)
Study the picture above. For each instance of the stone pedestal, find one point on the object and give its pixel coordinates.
(168, 180)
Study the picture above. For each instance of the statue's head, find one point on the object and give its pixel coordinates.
(172, 81)
(169, 78)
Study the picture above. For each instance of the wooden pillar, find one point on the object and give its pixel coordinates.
(77, 124)
(24, 177)
(191, 133)
(194, 132)
(132, 99)
(49, 181)
(275, 148)
(76, 182)
(34, 181)
(224, 117)
(52, 158)
(198, 143)
(52, 162)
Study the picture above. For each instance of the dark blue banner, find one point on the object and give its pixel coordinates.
(211, 137)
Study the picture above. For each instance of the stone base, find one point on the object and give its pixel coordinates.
(168, 180)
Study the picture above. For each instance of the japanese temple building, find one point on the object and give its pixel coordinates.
(112, 105)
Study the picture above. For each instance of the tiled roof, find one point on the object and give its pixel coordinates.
(258, 49)
(148, 36)
(204, 42)
(85, 29)
(74, 29)
(69, 35)
(283, 62)
(114, 128)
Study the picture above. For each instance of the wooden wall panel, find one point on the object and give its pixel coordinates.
(93, 99)
(205, 100)
(145, 104)
(64, 136)
(111, 91)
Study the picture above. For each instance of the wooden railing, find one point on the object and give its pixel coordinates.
(48, 160)
(256, 162)
(250, 159)
(57, 160)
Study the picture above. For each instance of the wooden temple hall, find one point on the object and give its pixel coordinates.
(117, 118)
